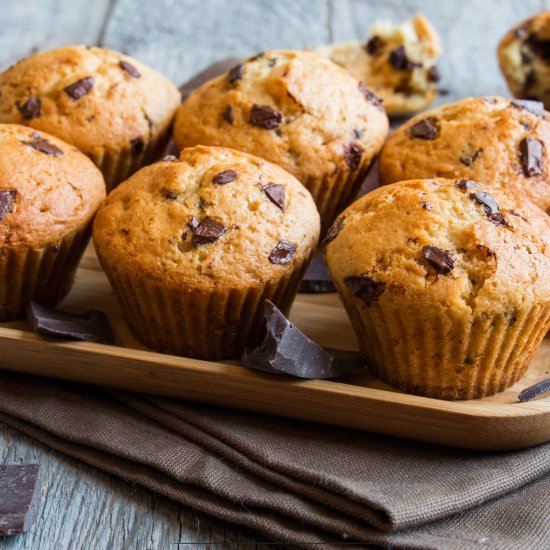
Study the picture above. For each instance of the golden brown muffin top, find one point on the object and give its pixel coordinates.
(502, 143)
(93, 98)
(215, 217)
(47, 188)
(451, 245)
(293, 108)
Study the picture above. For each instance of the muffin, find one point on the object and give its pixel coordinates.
(447, 284)
(524, 58)
(397, 62)
(502, 143)
(193, 247)
(113, 108)
(49, 192)
(297, 110)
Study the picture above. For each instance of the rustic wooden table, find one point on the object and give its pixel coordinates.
(84, 508)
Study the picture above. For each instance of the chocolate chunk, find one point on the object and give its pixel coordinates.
(20, 493)
(486, 200)
(425, 129)
(92, 326)
(441, 260)
(365, 288)
(136, 146)
(265, 117)
(31, 108)
(334, 231)
(536, 390)
(276, 194)
(398, 58)
(6, 201)
(464, 185)
(426, 205)
(530, 155)
(130, 69)
(370, 97)
(207, 232)
(533, 107)
(488, 252)
(227, 114)
(209, 73)
(283, 253)
(169, 158)
(236, 73)
(433, 74)
(469, 158)
(374, 46)
(80, 88)
(168, 195)
(352, 156)
(287, 350)
(44, 146)
(541, 48)
(193, 223)
(498, 218)
(317, 278)
(227, 176)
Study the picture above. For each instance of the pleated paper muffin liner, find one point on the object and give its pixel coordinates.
(208, 324)
(447, 358)
(44, 274)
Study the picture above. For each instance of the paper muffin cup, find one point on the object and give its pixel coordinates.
(208, 324)
(43, 274)
(443, 357)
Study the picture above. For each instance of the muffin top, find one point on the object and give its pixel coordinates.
(502, 143)
(293, 108)
(448, 244)
(215, 217)
(47, 188)
(95, 99)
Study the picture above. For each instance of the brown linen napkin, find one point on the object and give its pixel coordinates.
(293, 481)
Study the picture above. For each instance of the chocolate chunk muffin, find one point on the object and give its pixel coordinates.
(397, 62)
(113, 108)
(194, 246)
(502, 143)
(297, 110)
(524, 58)
(49, 192)
(447, 284)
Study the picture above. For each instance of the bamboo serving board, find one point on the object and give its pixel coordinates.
(360, 401)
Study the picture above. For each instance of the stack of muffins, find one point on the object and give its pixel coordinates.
(444, 271)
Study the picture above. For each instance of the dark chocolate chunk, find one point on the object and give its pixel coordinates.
(486, 200)
(130, 69)
(208, 74)
(533, 107)
(283, 253)
(236, 73)
(469, 158)
(365, 288)
(317, 278)
(352, 156)
(425, 129)
(193, 223)
(265, 117)
(168, 195)
(433, 74)
(227, 114)
(536, 390)
(441, 260)
(6, 201)
(92, 326)
(227, 176)
(374, 46)
(488, 252)
(334, 231)
(398, 58)
(20, 493)
(80, 88)
(540, 48)
(530, 155)
(276, 194)
(498, 218)
(31, 108)
(464, 185)
(426, 205)
(287, 350)
(207, 232)
(169, 158)
(370, 97)
(136, 146)
(44, 146)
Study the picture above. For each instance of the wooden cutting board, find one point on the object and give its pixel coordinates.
(360, 401)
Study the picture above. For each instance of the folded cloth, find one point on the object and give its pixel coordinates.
(293, 481)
